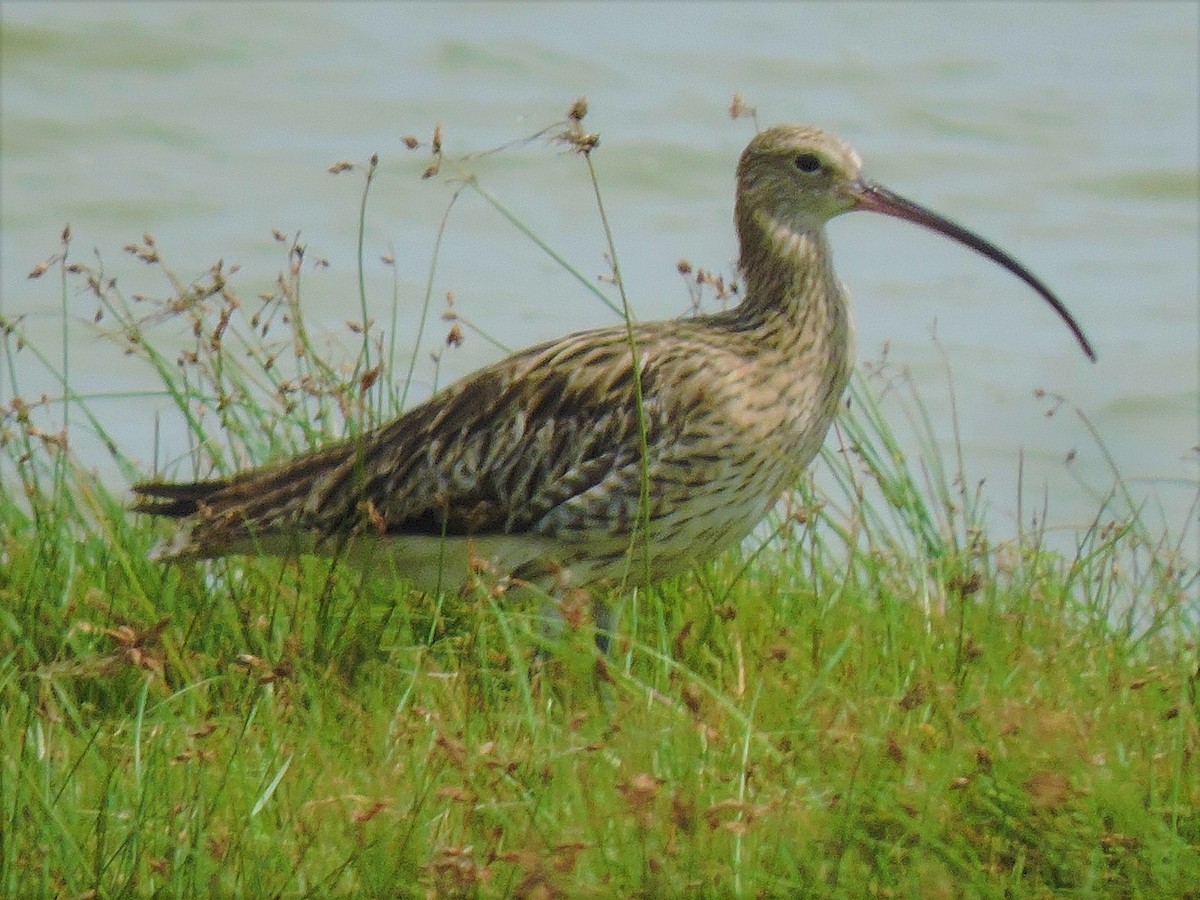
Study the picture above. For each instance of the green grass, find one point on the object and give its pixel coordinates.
(881, 699)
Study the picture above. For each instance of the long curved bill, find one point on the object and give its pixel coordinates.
(876, 198)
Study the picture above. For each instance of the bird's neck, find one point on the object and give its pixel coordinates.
(792, 294)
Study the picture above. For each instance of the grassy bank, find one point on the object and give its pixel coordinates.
(877, 697)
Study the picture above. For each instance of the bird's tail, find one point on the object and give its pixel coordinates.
(249, 509)
(175, 501)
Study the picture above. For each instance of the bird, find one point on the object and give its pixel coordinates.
(613, 456)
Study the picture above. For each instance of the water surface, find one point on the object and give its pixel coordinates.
(1067, 133)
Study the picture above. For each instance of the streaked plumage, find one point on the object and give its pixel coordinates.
(534, 463)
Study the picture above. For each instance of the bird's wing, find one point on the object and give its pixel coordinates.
(537, 443)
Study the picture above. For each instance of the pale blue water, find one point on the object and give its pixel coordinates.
(1067, 133)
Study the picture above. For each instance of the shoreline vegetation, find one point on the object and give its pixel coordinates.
(873, 697)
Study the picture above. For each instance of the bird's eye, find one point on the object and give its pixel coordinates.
(808, 162)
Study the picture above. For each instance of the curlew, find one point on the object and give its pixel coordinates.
(545, 465)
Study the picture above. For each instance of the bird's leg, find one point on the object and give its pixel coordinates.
(605, 619)
(563, 605)
(573, 607)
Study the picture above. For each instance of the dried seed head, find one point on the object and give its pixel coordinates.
(366, 814)
(374, 516)
(437, 138)
(738, 109)
(640, 791)
(578, 110)
(585, 143)
(370, 377)
(1049, 789)
(683, 811)
(340, 166)
(410, 142)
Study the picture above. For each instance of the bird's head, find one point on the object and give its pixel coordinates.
(799, 176)
(792, 179)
